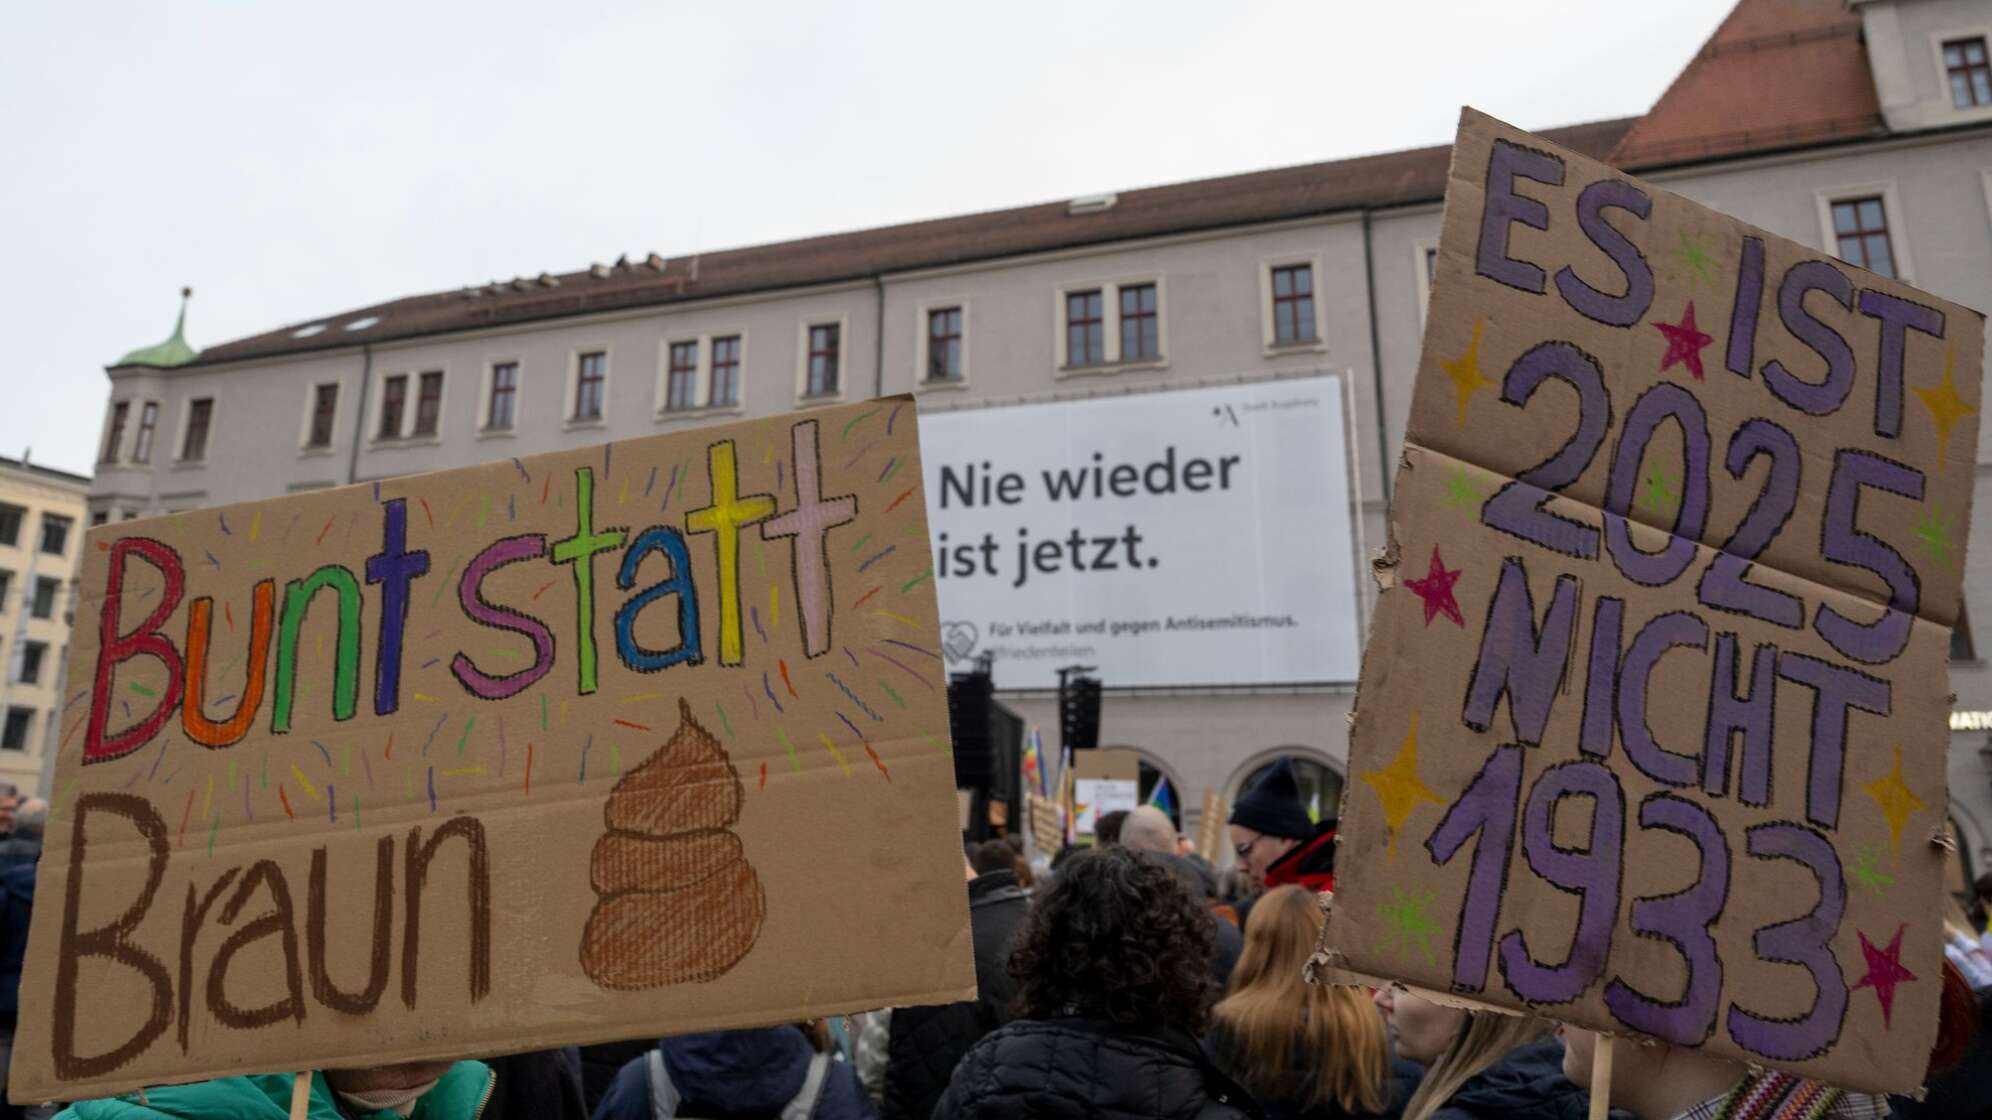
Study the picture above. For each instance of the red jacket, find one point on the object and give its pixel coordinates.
(1312, 865)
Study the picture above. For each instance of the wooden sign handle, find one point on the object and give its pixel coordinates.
(1601, 1078)
(300, 1096)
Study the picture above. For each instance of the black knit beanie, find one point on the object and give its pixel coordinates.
(1272, 805)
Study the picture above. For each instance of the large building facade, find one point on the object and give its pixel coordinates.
(41, 540)
(1863, 129)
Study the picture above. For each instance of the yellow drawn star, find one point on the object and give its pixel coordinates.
(1896, 800)
(1946, 408)
(1464, 372)
(1399, 787)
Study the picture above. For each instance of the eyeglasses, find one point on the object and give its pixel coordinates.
(1244, 851)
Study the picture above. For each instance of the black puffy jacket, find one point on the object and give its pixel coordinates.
(1528, 1084)
(926, 1042)
(1084, 1069)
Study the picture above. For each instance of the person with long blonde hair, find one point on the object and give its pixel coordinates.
(1305, 1050)
(1480, 1065)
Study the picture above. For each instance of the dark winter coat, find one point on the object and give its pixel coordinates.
(17, 898)
(1528, 1084)
(738, 1075)
(1403, 1078)
(1084, 1069)
(927, 1042)
(542, 1084)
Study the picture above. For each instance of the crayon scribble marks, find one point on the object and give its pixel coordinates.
(1693, 253)
(1435, 588)
(1896, 800)
(1946, 408)
(1410, 926)
(1399, 787)
(1884, 972)
(1464, 372)
(1685, 342)
(1933, 532)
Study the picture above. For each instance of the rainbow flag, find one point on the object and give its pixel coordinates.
(1162, 797)
(1034, 775)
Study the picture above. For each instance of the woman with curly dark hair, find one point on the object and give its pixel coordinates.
(1113, 988)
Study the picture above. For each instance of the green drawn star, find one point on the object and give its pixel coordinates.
(1409, 924)
(1866, 874)
(1934, 531)
(1460, 490)
(1661, 494)
(1693, 254)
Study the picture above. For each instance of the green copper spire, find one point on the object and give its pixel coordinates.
(172, 352)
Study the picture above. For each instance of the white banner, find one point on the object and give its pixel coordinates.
(1198, 537)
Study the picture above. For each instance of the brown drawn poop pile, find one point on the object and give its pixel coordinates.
(679, 901)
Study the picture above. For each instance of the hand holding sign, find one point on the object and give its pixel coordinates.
(1671, 671)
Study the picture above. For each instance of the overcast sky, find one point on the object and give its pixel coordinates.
(289, 161)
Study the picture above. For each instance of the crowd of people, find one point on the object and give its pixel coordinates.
(1126, 980)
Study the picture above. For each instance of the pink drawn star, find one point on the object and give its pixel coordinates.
(1436, 589)
(1884, 972)
(1684, 343)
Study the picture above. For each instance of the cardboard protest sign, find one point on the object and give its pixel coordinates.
(629, 741)
(1210, 825)
(1650, 735)
(1104, 781)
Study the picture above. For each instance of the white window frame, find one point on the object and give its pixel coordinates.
(184, 421)
(739, 404)
(138, 424)
(803, 399)
(304, 447)
(1267, 334)
(569, 422)
(1942, 72)
(921, 340)
(115, 456)
(1110, 324)
(482, 421)
(406, 437)
(1418, 250)
(1891, 208)
(702, 374)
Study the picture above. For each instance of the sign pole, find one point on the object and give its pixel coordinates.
(300, 1096)
(1601, 1078)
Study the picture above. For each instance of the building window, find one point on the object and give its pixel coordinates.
(823, 345)
(504, 396)
(1861, 226)
(1293, 305)
(46, 590)
(115, 437)
(393, 403)
(428, 402)
(944, 344)
(132, 514)
(591, 375)
(99, 516)
(324, 406)
(6, 585)
(1085, 329)
(32, 656)
(55, 534)
(1962, 647)
(1140, 329)
(194, 447)
(681, 377)
(725, 389)
(10, 524)
(148, 422)
(14, 737)
(1970, 74)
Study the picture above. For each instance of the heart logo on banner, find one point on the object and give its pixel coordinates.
(958, 640)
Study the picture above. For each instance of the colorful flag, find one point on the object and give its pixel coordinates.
(1161, 797)
(1034, 776)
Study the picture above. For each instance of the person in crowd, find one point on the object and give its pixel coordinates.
(1148, 829)
(1306, 1051)
(409, 1091)
(920, 1046)
(17, 900)
(1981, 904)
(1480, 1065)
(1275, 840)
(601, 1062)
(24, 844)
(788, 1072)
(542, 1084)
(1959, 1085)
(1113, 990)
(1107, 827)
(1660, 1082)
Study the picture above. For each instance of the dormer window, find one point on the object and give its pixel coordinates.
(1969, 73)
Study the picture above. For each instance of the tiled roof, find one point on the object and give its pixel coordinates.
(1776, 74)
(1394, 178)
